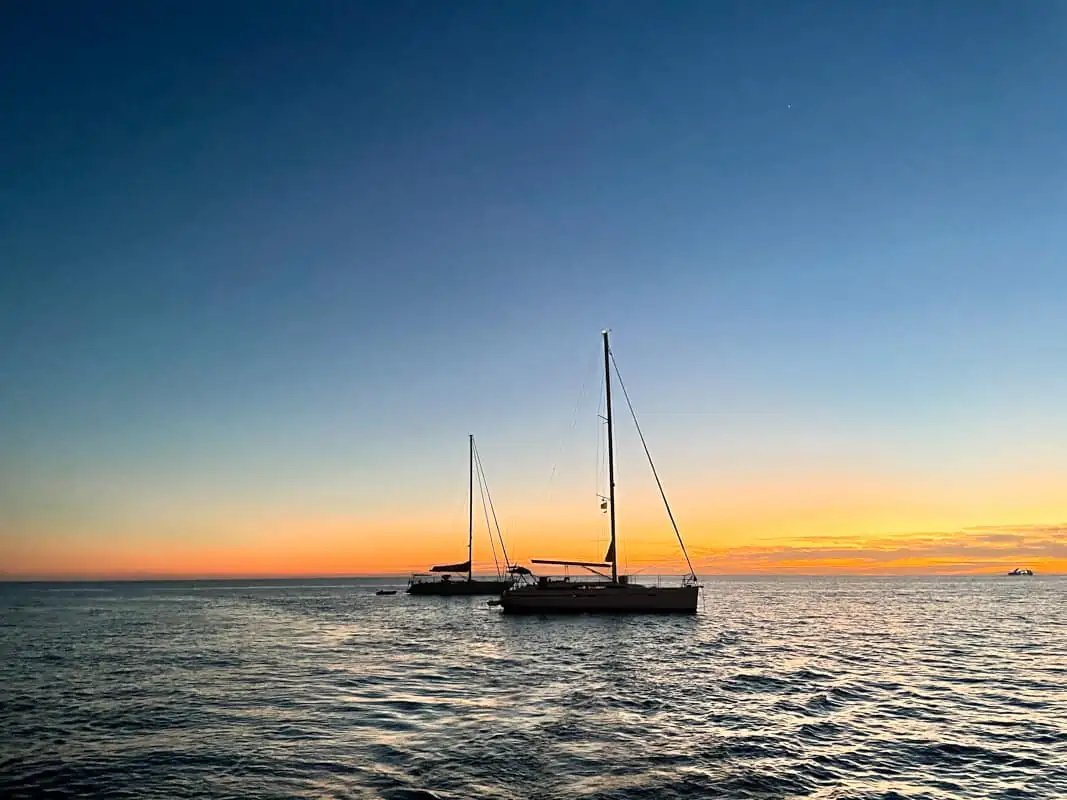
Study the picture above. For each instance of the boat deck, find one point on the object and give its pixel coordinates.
(561, 597)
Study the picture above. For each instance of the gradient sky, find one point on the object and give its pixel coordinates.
(264, 265)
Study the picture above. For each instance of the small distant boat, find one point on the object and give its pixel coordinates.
(615, 593)
(385, 591)
(440, 580)
(1021, 571)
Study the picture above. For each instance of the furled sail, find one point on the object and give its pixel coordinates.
(610, 556)
(464, 567)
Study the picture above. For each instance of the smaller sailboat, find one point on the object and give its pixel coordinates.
(442, 579)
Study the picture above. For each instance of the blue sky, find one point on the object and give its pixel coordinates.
(290, 253)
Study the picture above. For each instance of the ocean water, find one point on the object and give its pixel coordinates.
(822, 688)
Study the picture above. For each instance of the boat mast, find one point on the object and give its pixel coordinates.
(611, 458)
(470, 512)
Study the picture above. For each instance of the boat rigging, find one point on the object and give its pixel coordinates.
(616, 593)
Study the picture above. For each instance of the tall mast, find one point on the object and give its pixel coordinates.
(470, 511)
(611, 459)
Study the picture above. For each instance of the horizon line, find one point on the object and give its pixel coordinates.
(193, 578)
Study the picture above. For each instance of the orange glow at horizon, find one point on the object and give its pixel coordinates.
(814, 524)
(341, 547)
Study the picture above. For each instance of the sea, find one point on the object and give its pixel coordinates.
(843, 688)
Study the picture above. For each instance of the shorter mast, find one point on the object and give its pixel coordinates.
(470, 512)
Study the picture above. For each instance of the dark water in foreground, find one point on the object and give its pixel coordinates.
(823, 688)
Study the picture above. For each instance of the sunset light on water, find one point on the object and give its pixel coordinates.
(585, 399)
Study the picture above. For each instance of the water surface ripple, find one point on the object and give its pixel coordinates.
(822, 688)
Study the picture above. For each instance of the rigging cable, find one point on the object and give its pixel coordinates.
(489, 530)
(601, 444)
(601, 461)
(655, 474)
(574, 422)
(492, 508)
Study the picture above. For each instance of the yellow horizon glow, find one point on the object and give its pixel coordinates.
(809, 525)
(341, 547)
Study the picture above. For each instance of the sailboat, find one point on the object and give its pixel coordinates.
(608, 595)
(442, 580)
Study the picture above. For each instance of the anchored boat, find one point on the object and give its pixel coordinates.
(614, 593)
(442, 579)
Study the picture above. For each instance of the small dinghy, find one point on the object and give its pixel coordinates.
(386, 591)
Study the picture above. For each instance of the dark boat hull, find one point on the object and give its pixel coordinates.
(452, 588)
(609, 599)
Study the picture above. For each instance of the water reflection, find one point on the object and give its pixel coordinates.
(825, 688)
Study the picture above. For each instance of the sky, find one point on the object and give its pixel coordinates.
(264, 265)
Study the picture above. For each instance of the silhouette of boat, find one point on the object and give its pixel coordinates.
(385, 591)
(440, 579)
(1021, 571)
(615, 593)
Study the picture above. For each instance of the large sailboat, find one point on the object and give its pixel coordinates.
(616, 594)
(449, 579)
